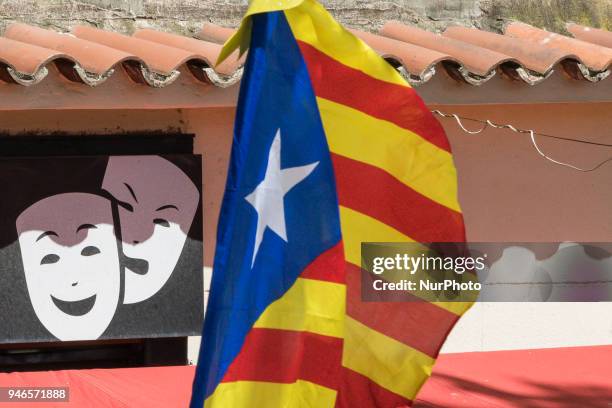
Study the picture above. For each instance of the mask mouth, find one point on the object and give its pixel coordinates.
(75, 308)
(136, 265)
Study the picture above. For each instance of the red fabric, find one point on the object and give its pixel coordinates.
(552, 378)
(576, 377)
(342, 84)
(361, 392)
(285, 356)
(329, 266)
(374, 192)
(154, 387)
(424, 328)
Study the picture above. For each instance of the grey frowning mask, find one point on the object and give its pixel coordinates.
(157, 204)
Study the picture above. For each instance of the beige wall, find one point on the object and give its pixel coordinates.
(186, 17)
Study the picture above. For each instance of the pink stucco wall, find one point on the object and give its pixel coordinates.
(510, 193)
(506, 190)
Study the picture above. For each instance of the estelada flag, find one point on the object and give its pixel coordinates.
(331, 148)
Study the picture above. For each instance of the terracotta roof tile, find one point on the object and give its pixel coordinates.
(592, 35)
(596, 58)
(25, 63)
(160, 61)
(91, 62)
(414, 61)
(219, 35)
(154, 58)
(162, 55)
(203, 56)
(473, 59)
(214, 33)
(536, 62)
(91, 56)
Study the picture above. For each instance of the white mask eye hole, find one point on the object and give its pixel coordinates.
(49, 259)
(162, 222)
(90, 250)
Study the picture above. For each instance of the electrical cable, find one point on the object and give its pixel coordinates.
(532, 134)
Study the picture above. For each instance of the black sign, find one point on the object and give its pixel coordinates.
(100, 247)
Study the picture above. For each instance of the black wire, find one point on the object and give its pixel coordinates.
(568, 139)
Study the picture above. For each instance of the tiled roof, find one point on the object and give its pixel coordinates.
(524, 53)
(90, 56)
(473, 56)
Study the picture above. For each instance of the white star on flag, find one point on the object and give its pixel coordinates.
(267, 198)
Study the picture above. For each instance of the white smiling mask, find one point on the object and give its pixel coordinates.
(157, 204)
(71, 264)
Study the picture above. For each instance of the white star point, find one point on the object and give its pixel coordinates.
(268, 196)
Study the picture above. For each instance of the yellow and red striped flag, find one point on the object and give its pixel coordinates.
(395, 182)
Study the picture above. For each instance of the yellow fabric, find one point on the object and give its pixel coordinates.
(408, 157)
(309, 305)
(358, 228)
(254, 394)
(263, 6)
(312, 24)
(242, 37)
(386, 361)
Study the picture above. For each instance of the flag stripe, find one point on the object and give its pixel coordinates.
(358, 390)
(250, 394)
(284, 356)
(312, 24)
(374, 192)
(351, 87)
(329, 266)
(420, 165)
(386, 361)
(309, 305)
(418, 324)
(358, 228)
